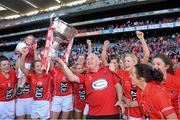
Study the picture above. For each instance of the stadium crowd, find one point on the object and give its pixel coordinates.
(167, 44)
(128, 23)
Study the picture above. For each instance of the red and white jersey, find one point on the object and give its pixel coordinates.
(154, 102)
(8, 86)
(41, 85)
(172, 86)
(130, 92)
(101, 93)
(62, 86)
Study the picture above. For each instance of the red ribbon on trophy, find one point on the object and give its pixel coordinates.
(62, 32)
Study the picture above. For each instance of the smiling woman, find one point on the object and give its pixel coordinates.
(8, 82)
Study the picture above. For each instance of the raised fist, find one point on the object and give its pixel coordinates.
(106, 43)
(88, 42)
(140, 35)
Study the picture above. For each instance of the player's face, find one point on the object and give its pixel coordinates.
(81, 59)
(121, 64)
(5, 66)
(29, 40)
(159, 65)
(79, 68)
(129, 63)
(37, 67)
(92, 61)
(114, 61)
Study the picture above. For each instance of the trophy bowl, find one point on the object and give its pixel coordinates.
(63, 30)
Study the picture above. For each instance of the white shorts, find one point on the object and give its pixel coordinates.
(86, 109)
(23, 106)
(7, 110)
(20, 73)
(40, 109)
(62, 103)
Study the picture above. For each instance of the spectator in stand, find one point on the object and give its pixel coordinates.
(164, 44)
(129, 23)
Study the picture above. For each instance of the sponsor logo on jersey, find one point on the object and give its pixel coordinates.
(99, 84)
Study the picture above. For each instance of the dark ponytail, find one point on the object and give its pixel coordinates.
(157, 75)
(147, 72)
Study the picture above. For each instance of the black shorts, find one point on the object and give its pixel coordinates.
(116, 116)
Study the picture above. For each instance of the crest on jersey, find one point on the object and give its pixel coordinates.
(171, 91)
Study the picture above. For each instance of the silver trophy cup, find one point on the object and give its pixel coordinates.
(63, 33)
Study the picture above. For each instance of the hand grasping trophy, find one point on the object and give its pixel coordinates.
(58, 32)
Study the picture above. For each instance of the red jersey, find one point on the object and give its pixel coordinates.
(27, 93)
(101, 93)
(172, 86)
(79, 96)
(8, 86)
(62, 86)
(130, 92)
(154, 102)
(41, 85)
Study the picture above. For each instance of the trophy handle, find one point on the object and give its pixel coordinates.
(52, 16)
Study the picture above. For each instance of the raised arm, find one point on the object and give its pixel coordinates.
(22, 78)
(104, 53)
(89, 46)
(146, 51)
(68, 73)
(35, 51)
